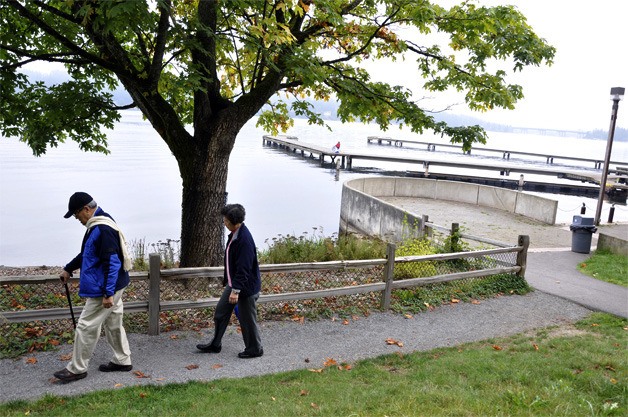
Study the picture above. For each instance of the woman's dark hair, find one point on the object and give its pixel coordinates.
(234, 213)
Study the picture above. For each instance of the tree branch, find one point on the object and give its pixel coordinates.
(62, 39)
(160, 44)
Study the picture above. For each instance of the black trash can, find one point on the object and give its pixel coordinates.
(582, 229)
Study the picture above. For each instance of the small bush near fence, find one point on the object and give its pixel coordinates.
(20, 338)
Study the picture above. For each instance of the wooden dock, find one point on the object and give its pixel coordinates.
(431, 146)
(345, 160)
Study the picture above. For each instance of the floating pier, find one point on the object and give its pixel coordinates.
(346, 160)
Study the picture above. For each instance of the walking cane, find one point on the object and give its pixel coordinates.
(67, 294)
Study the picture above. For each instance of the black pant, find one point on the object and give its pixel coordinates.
(247, 315)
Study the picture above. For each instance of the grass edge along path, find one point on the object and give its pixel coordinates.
(579, 369)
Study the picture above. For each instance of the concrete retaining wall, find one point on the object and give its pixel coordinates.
(612, 244)
(363, 212)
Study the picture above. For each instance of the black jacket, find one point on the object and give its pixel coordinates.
(241, 256)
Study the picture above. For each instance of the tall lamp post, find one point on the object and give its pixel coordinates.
(617, 94)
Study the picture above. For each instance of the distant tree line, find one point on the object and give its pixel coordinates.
(327, 110)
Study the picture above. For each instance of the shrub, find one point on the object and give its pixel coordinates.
(415, 247)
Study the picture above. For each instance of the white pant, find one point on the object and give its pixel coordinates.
(87, 332)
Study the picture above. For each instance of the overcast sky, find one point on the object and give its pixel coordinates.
(591, 38)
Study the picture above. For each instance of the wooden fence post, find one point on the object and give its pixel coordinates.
(389, 271)
(426, 231)
(522, 257)
(154, 278)
(454, 238)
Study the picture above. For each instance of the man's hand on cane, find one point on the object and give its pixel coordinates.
(64, 276)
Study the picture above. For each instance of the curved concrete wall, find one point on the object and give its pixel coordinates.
(361, 211)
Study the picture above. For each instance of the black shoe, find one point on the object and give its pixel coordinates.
(247, 355)
(209, 348)
(64, 376)
(114, 367)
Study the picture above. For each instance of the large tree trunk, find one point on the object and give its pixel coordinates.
(202, 228)
(204, 195)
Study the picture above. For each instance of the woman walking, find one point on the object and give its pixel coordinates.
(242, 282)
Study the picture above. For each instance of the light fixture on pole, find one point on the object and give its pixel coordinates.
(617, 94)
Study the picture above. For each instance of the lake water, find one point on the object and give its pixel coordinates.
(139, 184)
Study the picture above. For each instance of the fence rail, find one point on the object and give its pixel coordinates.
(154, 304)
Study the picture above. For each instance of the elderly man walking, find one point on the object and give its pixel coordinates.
(104, 263)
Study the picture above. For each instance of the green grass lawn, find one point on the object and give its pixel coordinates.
(606, 266)
(572, 370)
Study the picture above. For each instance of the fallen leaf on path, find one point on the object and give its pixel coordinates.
(475, 302)
(216, 366)
(66, 357)
(174, 337)
(140, 374)
(330, 362)
(118, 385)
(191, 366)
(408, 316)
(345, 322)
(455, 300)
(391, 341)
(31, 360)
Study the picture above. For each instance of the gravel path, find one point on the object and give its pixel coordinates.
(288, 346)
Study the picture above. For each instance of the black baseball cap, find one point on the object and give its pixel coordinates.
(77, 201)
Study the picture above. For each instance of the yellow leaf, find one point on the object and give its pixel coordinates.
(345, 322)
(118, 385)
(318, 371)
(408, 316)
(455, 300)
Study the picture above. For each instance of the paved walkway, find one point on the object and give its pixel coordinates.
(563, 296)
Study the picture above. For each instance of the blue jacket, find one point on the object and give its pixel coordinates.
(243, 264)
(100, 261)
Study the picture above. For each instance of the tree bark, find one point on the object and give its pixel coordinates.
(204, 195)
